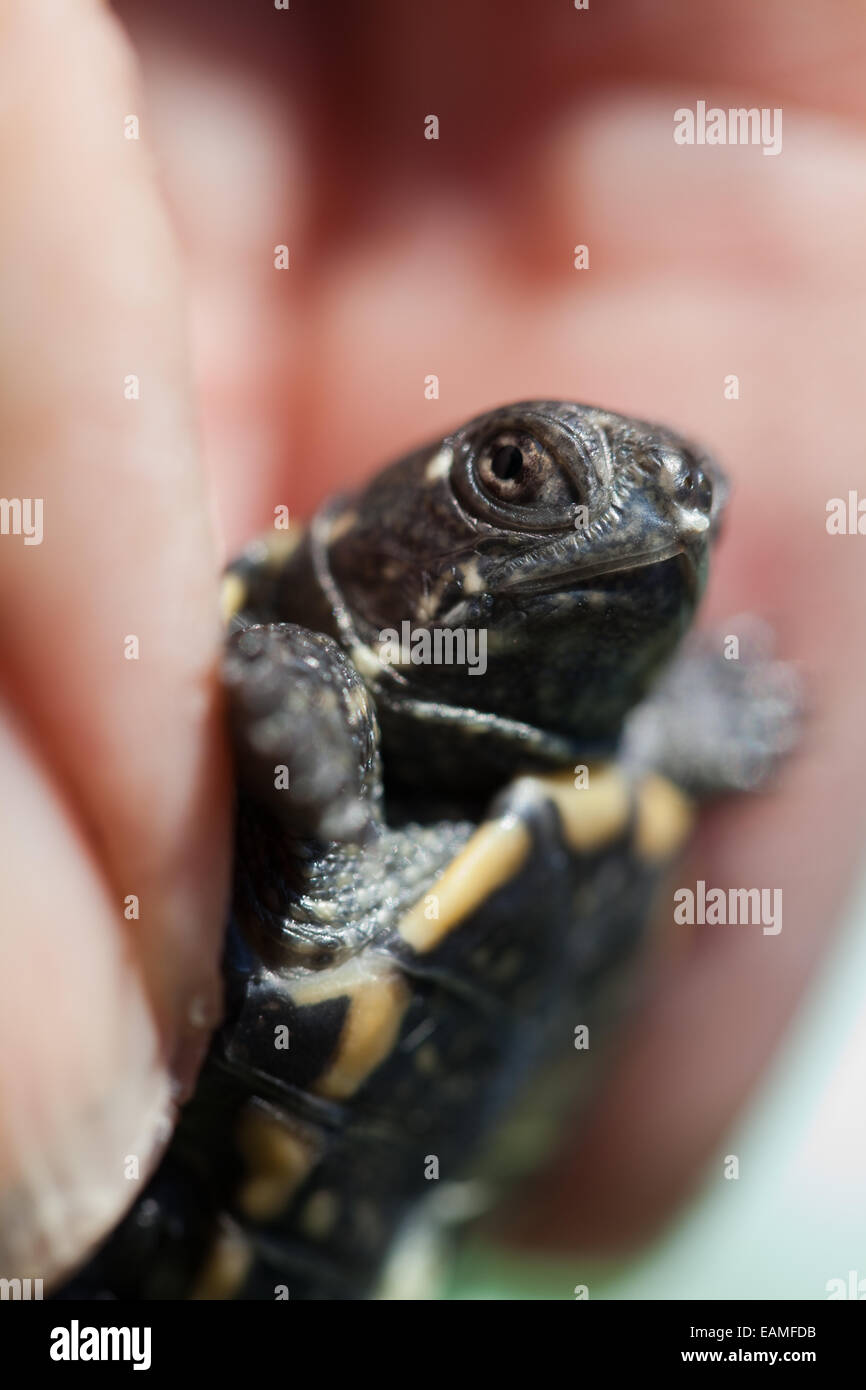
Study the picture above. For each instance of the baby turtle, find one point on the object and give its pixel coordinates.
(468, 747)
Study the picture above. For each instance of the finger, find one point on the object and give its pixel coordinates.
(109, 625)
(84, 1091)
(233, 173)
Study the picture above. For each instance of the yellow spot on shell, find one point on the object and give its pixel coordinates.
(493, 855)
(226, 1265)
(665, 817)
(278, 1159)
(427, 1059)
(592, 816)
(378, 999)
(319, 1215)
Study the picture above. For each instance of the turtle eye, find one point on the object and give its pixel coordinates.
(507, 462)
(524, 479)
(512, 468)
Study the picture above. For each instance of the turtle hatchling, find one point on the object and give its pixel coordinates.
(470, 741)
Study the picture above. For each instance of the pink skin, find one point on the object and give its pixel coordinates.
(408, 258)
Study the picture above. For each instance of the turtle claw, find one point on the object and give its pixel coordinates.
(724, 717)
(304, 732)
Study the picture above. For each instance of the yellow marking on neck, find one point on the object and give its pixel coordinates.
(233, 593)
(279, 546)
(225, 1267)
(491, 858)
(472, 581)
(268, 552)
(319, 1215)
(439, 464)
(278, 1159)
(592, 816)
(378, 999)
(342, 523)
(665, 817)
(366, 661)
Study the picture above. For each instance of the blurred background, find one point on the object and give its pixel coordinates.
(454, 258)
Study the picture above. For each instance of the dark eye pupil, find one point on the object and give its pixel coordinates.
(507, 462)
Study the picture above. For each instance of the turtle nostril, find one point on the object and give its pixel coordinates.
(695, 487)
(702, 490)
(713, 491)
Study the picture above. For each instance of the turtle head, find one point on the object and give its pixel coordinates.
(539, 565)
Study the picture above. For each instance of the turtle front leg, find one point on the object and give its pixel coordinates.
(724, 716)
(304, 731)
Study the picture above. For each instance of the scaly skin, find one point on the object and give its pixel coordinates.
(406, 956)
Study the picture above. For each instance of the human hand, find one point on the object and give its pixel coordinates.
(408, 258)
